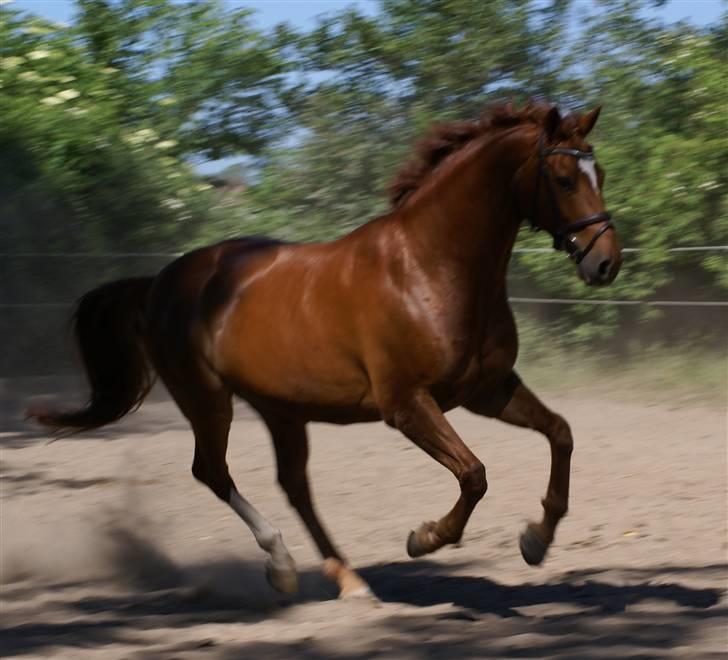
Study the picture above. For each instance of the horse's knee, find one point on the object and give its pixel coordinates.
(560, 436)
(473, 483)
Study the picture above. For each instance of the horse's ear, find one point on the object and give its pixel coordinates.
(587, 121)
(552, 122)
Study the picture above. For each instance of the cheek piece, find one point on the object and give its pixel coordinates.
(564, 238)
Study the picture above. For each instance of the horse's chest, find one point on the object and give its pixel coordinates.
(480, 362)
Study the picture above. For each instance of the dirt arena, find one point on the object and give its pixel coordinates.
(110, 549)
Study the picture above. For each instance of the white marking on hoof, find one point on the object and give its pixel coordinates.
(533, 548)
(360, 593)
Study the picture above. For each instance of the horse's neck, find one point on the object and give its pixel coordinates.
(466, 222)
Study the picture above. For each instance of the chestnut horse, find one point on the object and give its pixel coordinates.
(402, 319)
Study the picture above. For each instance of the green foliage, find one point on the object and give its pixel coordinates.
(97, 117)
(191, 69)
(383, 81)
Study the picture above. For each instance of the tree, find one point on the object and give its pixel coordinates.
(98, 120)
(195, 70)
(374, 84)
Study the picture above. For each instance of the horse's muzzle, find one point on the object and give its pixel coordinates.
(600, 267)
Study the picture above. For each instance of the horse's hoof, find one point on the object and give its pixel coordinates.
(533, 548)
(415, 545)
(282, 576)
(414, 548)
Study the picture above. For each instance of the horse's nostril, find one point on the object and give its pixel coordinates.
(604, 267)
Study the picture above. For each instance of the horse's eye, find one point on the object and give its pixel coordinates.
(566, 182)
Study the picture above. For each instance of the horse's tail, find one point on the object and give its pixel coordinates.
(109, 328)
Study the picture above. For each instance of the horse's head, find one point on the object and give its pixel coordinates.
(561, 186)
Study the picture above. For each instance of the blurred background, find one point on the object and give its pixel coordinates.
(133, 130)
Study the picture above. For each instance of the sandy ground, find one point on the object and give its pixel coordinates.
(110, 549)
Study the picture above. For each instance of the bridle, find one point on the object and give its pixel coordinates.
(564, 236)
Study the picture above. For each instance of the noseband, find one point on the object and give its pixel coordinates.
(565, 232)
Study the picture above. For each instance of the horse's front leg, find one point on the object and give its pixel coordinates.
(524, 409)
(420, 419)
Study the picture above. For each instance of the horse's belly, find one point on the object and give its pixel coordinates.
(289, 360)
(319, 377)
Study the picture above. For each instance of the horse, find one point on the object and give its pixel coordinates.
(401, 320)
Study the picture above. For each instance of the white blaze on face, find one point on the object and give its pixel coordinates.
(586, 165)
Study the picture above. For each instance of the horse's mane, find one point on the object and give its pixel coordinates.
(444, 139)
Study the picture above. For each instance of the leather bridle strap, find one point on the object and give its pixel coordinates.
(570, 246)
(561, 234)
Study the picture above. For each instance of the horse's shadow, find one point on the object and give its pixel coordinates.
(236, 590)
(170, 596)
(426, 583)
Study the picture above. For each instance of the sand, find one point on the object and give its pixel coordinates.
(110, 549)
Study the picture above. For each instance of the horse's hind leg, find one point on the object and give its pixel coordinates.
(524, 409)
(209, 410)
(291, 446)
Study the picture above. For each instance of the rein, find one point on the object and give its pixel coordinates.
(564, 236)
